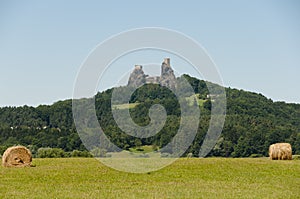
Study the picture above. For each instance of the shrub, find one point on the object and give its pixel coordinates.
(296, 157)
(51, 153)
(33, 149)
(139, 149)
(155, 147)
(256, 156)
(2, 149)
(77, 153)
(98, 152)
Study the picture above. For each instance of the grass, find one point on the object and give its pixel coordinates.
(186, 178)
(191, 100)
(125, 106)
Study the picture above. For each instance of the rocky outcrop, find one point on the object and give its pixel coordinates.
(167, 77)
(137, 77)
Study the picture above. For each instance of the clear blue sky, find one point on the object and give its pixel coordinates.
(255, 44)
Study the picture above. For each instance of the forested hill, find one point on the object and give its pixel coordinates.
(253, 122)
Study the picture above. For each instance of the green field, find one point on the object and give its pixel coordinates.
(191, 100)
(124, 106)
(186, 178)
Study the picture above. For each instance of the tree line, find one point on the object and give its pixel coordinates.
(253, 122)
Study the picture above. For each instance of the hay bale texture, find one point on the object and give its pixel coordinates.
(280, 151)
(16, 156)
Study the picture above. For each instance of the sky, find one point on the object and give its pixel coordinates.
(255, 44)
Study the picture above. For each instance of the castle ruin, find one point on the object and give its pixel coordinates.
(167, 78)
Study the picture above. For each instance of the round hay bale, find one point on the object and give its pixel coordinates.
(280, 151)
(16, 156)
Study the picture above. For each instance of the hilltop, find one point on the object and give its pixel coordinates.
(253, 122)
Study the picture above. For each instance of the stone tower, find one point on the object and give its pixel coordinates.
(167, 77)
(137, 77)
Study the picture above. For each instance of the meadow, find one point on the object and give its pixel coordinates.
(186, 178)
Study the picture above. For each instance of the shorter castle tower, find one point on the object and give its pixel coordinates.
(137, 77)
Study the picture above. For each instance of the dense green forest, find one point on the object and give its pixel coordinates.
(252, 123)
